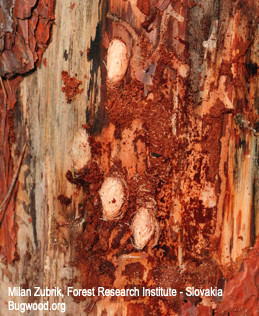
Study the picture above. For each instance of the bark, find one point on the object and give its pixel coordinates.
(176, 132)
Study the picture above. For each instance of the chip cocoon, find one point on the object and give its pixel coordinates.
(144, 226)
(117, 61)
(184, 70)
(112, 194)
(81, 150)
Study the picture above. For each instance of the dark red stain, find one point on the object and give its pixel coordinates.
(242, 290)
(8, 227)
(64, 200)
(144, 6)
(44, 61)
(136, 269)
(72, 6)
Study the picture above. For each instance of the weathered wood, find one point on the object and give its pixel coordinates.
(43, 249)
(178, 135)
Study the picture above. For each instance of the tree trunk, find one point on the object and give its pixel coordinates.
(140, 167)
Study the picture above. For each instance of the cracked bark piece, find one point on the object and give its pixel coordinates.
(22, 8)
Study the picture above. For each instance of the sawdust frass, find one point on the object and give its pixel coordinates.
(171, 167)
(179, 161)
(100, 240)
(71, 86)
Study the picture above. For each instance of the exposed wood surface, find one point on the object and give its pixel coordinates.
(179, 132)
(50, 126)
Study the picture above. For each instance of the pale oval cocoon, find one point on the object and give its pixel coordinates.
(112, 196)
(81, 150)
(117, 61)
(184, 70)
(143, 227)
